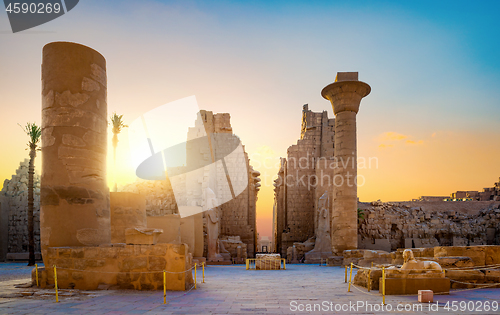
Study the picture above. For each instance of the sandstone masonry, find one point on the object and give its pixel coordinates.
(15, 206)
(303, 177)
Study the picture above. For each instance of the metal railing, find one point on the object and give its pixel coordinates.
(266, 264)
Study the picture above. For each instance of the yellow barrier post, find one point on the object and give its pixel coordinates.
(284, 263)
(55, 281)
(203, 271)
(36, 274)
(164, 287)
(368, 285)
(345, 281)
(327, 262)
(350, 277)
(247, 263)
(195, 275)
(383, 285)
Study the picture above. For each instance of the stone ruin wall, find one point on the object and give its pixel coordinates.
(15, 193)
(425, 222)
(389, 226)
(160, 199)
(238, 216)
(296, 200)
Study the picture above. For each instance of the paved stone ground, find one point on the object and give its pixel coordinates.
(229, 290)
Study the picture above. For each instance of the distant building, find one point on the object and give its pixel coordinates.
(488, 194)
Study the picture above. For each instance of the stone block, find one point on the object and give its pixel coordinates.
(156, 263)
(128, 210)
(142, 236)
(465, 275)
(425, 296)
(493, 276)
(133, 263)
(451, 262)
(399, 286)
(346, 76)
(170, 224)
(492, 255)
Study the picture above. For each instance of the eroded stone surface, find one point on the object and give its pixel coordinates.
(138, 267)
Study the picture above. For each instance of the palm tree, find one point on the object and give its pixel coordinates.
(117, 123)
(34, 132)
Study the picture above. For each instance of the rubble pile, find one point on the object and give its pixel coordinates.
(407, 227)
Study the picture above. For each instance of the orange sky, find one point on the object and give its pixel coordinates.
(431, 120)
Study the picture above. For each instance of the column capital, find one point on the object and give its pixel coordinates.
(345, 95)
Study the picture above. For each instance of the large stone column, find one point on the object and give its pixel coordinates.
(74, 194)
(345, 94)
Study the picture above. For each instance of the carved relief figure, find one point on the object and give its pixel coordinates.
(213, 219)
(323, 231)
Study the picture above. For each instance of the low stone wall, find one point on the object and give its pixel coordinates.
(388, 226)
(232, 247)
(160, 199)
(364, 257)
(465, 207)
(135, 267)
(481, 255)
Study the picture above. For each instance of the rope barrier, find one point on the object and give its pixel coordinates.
(356, 287)
(481, 286)
(115, 272)
(151, 272)
(175, 297)
(485, 267)
(438, 293)
(274, 264)
(471, 283)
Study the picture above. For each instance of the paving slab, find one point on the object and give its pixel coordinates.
(300, 289)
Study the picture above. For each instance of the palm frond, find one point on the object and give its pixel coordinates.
(33, 131)
(117, 123)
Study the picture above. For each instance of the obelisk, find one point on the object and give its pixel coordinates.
(345, 94)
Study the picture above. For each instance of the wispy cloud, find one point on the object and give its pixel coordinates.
(383, 146)
(391, 135)
(410, 142)
(390, 139)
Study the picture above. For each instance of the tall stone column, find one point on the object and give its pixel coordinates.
(345, 94)
(74, 195)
